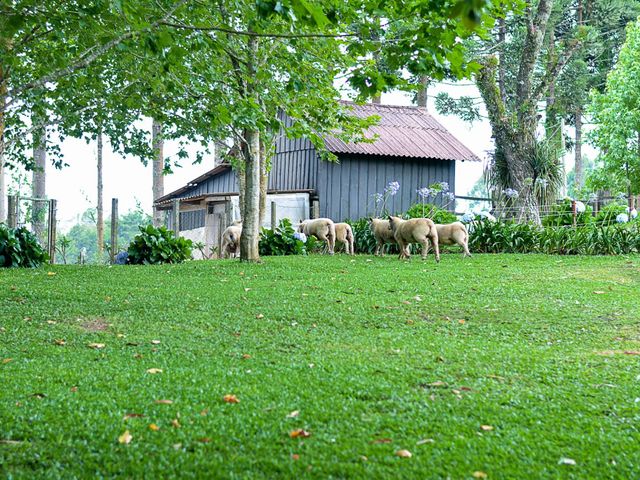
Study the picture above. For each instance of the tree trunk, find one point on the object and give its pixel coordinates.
(3, 189)
(264, 179)
(158, 169)
(422, 97)
(502, 38)
(240, 175)
(39, 177)
(579, 168)
(100, 207)
(251, 213)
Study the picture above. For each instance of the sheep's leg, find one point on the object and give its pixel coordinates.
(436, 248)
(331, 240)
(425, 249)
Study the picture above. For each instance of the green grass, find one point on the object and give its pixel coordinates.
(539, 357)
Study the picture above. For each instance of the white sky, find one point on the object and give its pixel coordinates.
(130, 181)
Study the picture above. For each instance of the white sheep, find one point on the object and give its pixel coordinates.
(454, 234)
(383, 234)
(231, 240)
(322, 228)
(344, 235)
(415, 230)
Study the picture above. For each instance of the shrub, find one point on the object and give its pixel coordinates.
(428, 210)
(562, 214)
(284, 240)
(607, 214)
(158, 245)
(591, 239)
(20, 248)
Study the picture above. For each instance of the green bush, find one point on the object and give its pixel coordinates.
(607, 214)
(20, 248)
(428, 210)
(591, 239)
(158, 245)
(284, 241)
(562, 214)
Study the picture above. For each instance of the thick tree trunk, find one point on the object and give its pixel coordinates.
(158, 169)
(502, 38)
(579, 168)
(100, 207)
(39, 178)
(240, 175)
(422, 96)
(251, 214)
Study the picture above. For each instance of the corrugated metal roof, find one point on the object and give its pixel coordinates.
(403, 132)
(223, 167)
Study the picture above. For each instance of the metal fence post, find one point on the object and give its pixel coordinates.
(273, 215)
(51, 231)
(175, 215)
(114, 230)
(12, 204)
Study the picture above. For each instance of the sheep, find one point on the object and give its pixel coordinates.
(383, 234)
(231, 240)
(344, 235)
(454, 234)
(322, 228)
(415, 230)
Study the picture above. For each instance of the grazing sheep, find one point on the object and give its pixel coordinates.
(454, 234)
(231, 240)
(322, 228)
(415, 230)
(344, 235)
(383, 234)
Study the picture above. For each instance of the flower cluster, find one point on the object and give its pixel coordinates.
(622, 218)
(580, 207)
(510, 193)
(444, 187)
(377, 197)
(300, 236)
(425, 192)
(450, 196)
(392, 188)
(542, 182)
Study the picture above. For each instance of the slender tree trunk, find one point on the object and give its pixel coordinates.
(3, 188)
(502, 38)
(158, 169)
(579, 167)
(100, 207)
(240, 175)
(39, 177)
(422, 96)
(264, 179)
(251, 214)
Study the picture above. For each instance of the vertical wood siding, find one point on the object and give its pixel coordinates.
(346, 189)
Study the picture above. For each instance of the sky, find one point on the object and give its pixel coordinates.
(74, 186)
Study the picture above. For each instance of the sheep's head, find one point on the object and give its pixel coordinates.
(300, 228)
(394, 222)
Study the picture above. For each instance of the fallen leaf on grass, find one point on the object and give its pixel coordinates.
(486, 428)
(404, 453)
(299, 433)
(259, 316)
(10, 442)
(293, 414)
(247, 289)
(382, 440)
(599, 292)
(175, 423)
(154, 427)
(631, 352)
(231, 399)
(125, 438)
(6, 360)
(74, 389)
(164, 402)
(204, 440)
(406, 302)
(154, 370)
(246, 356)
(204, 412)
(38, 395)
(417, 298)
(51, 274)
(425, 440)
(177, 446)
(97, 346)
(462, 321)
(479, 474)
(295, 456)
(436, 384)
(567, 461)
(51, 322)
(59, 341)
(155, 342)
(133, 415)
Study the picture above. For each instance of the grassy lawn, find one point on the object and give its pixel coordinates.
(375, 355)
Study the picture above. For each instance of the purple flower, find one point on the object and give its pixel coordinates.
(377, 197)
(424, 192)
(450, 195)
(392, 188)
(444, 187)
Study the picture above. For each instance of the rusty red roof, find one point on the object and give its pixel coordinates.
(403, 132)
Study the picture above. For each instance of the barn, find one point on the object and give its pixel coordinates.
(411, 148)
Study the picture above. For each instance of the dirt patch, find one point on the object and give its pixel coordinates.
(95, 325)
